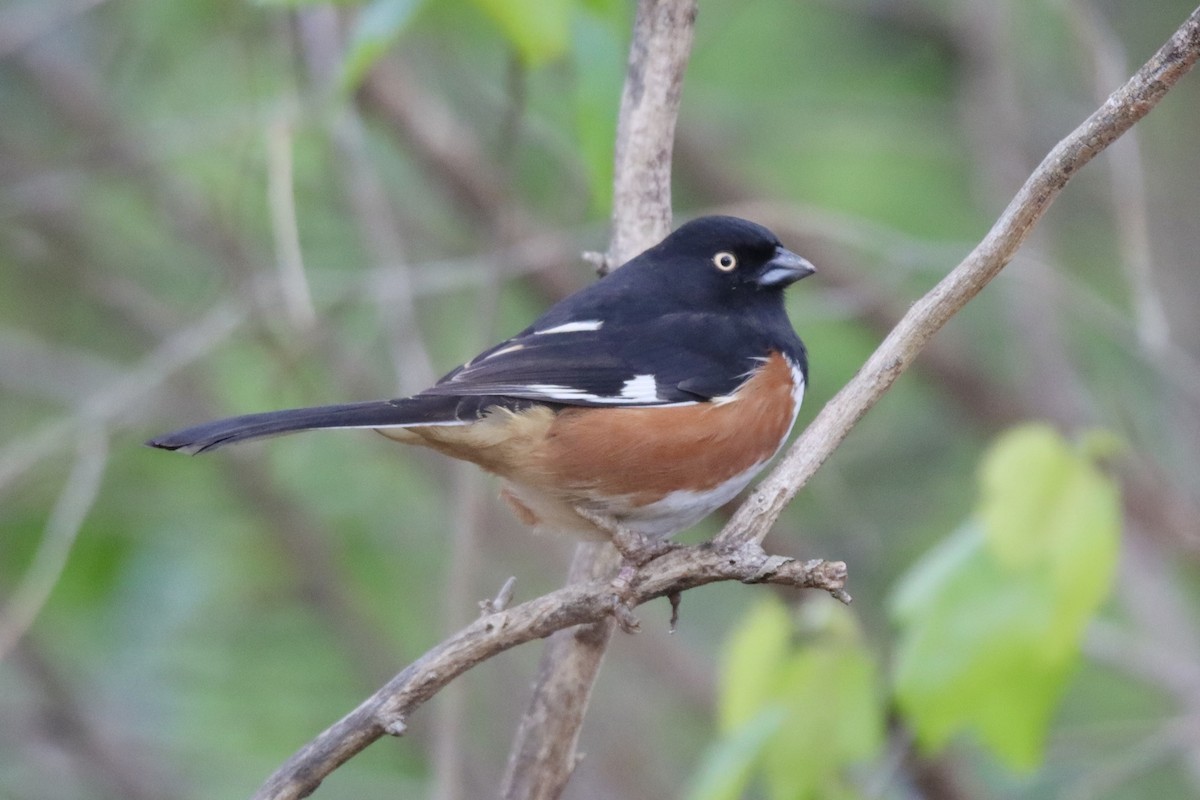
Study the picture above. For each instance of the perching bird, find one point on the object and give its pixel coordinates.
(649, 398)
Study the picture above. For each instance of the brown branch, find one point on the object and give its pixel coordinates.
(1123, 108)
(1151, 498)
(387, 711)
(658, 56)
(543, 753)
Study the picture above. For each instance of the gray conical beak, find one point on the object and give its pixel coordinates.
(784, 268)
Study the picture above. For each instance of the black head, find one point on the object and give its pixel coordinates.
(729, 256)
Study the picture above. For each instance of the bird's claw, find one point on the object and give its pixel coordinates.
(637, 550)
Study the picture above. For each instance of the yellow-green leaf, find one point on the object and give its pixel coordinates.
(538, 30)
(728, 764)
(992, 619)
(752, 660)
(819, 691)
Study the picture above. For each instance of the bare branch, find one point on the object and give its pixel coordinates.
(577, 604)
(658, 56)
(543, 754)
(70, 511)
(1127, 184)
(293, 282)
(1123, 108)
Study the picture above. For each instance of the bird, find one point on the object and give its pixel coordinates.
(641, 403)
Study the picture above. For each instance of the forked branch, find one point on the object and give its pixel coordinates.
(387, 711)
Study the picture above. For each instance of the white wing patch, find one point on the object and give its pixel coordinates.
(573, 327)
(638, 390)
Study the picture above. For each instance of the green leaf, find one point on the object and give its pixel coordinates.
(377, 28)
(752, 659)
(727, 766)
(820, 694)
(1022, 481)
(835, 714)
(928, 578)
(598, 54)
(991, 620)
(966, 660)
(538, 30)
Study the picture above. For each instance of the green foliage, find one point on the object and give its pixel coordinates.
(598, 62)
(797, 711)
(376, 29)
(991, 619)
(538, 30)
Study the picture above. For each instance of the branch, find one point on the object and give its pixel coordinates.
(658, 56)
(1123, 108)
(71, 510)
(387, 711)
(543, 753)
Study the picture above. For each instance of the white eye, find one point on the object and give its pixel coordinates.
(724, 261)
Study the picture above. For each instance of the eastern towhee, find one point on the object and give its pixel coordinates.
(650, 398)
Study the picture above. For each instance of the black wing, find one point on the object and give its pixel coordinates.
(674, 358)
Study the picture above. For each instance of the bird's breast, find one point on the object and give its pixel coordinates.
(648, 452)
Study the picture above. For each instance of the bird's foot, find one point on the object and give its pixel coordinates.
(637, 550)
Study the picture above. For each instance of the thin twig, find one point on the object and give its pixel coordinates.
(115, 401)
(1127, 185)
(388, 709)
(1123, 108)
(293, 282)
(74, 502)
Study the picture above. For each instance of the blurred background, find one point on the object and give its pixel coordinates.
(211, 207)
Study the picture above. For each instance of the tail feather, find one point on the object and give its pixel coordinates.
(377, 414)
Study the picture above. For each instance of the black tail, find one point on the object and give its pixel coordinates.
(378, 414)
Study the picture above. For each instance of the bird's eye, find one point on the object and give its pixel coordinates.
(726, 262)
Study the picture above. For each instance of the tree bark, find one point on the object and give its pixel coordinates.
(543, 755)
